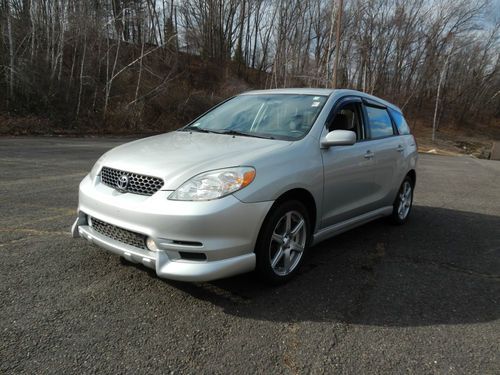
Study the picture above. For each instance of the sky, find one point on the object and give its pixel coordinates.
(493, 14)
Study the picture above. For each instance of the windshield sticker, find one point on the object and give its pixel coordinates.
(315, 104)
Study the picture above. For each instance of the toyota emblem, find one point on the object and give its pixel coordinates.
(122, 182)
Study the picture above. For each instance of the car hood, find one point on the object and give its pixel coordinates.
(180, 155)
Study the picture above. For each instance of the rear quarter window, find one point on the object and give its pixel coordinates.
(400, 121)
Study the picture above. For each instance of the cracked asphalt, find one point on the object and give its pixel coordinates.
(421, 298)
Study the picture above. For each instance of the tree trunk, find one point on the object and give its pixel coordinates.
(337, 43)
(436, 106)
(11, 51)
(81, 76)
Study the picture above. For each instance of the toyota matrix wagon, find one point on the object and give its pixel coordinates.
(251, 184)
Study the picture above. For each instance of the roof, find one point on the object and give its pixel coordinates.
(323, 92)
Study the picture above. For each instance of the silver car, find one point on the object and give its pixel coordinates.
(252, 184)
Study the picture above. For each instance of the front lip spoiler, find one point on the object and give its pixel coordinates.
(181, 270)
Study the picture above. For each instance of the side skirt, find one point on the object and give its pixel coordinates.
(338, 228)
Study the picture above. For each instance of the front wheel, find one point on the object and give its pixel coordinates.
(282, 242)
(403, 203)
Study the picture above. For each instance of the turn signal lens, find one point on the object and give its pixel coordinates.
(248, 177)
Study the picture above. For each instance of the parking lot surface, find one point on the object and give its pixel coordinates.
(420, 298)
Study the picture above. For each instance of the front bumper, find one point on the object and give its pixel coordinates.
(223, 230)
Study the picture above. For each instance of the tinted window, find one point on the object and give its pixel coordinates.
(379, 122)
(400, 121)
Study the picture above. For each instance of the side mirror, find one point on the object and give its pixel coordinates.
(339, 138)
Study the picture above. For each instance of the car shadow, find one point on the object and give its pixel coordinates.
(442, 267)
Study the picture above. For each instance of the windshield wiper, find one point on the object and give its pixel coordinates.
(225, 132)
(237, 132)
(197, 129)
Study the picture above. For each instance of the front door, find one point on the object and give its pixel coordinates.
(349, 187)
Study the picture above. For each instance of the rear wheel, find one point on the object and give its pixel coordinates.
(283, 242)
(403, 203)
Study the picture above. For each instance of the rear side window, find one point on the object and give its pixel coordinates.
(379, 122)
(400, 121)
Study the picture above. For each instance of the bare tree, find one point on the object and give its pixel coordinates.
(101, 57)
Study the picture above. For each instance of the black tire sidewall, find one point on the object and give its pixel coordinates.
(263, 266)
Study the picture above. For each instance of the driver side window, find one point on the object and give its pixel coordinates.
(348, 117)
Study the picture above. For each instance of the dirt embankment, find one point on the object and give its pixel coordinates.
(449, 140)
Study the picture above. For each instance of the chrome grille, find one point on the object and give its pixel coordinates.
(118, 234)
(137, 183)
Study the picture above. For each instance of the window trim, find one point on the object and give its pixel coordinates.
(373, 103)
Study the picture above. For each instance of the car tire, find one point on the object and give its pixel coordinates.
(403, 203)
(282, 243)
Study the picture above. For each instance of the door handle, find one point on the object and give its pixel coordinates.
(369, 155)
(400, 148)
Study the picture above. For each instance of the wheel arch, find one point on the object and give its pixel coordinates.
(305, 197)
(413, 175)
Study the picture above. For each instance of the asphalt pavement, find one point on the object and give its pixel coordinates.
(420, 298)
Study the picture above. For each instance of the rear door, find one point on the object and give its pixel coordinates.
(407, 146)
(387, 149)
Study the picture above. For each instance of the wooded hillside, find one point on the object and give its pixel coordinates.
(151, 65)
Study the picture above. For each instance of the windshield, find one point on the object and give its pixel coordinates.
(274, 116)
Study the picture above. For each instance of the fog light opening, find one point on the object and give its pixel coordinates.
(193, 256)
(151, 244)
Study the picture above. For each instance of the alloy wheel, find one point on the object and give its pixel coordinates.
(405, 200)
(288, 242)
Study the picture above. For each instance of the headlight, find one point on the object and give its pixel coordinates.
(214, 184)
